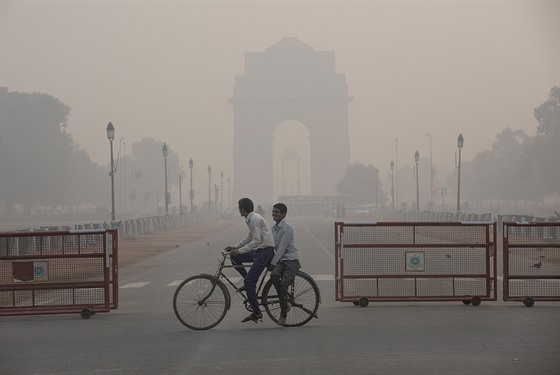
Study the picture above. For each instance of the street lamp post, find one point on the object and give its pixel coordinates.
(121, 200)
(376, 185)
(216, 191)
(191, 193)
(209, 188)
(165, 152)
(416, 159)
(431, 172)
(221, 191)
(180, 197)
(229, 192)
(397, 169)
(111, 137)
(392, 186)
(460, 141)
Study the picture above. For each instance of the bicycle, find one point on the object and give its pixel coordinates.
(201, 302)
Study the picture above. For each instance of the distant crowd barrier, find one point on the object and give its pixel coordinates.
(461, 216)
(440, 216)
(130, 228)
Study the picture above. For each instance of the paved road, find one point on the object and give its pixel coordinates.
(144, 337)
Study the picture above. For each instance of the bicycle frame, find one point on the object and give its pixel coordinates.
(220, 275)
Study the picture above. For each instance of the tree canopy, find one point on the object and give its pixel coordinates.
(545, 150)
(40, 164)
(362, 185)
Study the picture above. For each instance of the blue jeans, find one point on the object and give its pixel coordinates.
(260, 259)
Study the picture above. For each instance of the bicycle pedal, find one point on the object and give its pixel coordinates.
(252, 318)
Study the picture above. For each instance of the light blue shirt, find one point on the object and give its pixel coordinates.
(284, 240)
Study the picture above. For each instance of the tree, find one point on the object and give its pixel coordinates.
(502, 173)
(545, 150)
(36, 150)
(362, 184)
(518, 167)
(40, 165)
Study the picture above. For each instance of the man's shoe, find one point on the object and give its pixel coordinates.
(253, 317)
(282, 321)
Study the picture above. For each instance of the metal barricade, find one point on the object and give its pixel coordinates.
(531, 261)
(54, 272)
(415, 261)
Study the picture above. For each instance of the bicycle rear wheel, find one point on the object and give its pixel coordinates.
(201, 302)
(303, 300)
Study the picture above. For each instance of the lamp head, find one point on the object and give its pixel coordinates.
(165, 150)
(209, 169)
(392, 165)
(190, 163)
(416, 156)
(110, 131)
(460, 141)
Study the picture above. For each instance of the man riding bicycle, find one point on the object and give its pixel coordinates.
(258, 248)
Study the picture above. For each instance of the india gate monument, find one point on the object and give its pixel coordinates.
(289, 81)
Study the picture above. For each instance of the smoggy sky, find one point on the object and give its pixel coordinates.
(165, 69)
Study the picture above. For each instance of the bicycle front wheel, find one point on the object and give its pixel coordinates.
(303, 300)
(201, 302)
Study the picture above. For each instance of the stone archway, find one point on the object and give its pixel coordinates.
(289, 81)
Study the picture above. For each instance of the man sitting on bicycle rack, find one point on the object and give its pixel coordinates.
(285, 264)
(258, 248)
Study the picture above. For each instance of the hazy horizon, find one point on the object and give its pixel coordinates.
(166, 70)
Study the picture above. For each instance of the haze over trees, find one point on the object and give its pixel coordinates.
(40, 164)
(361, 184)
(42, 169)
(545, 148)
(518, 168)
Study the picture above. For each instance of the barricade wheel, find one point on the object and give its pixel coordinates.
(363, 302)
(467, 301)
(356, 303)
(476, 301)
(86, 313)
(529, 302)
